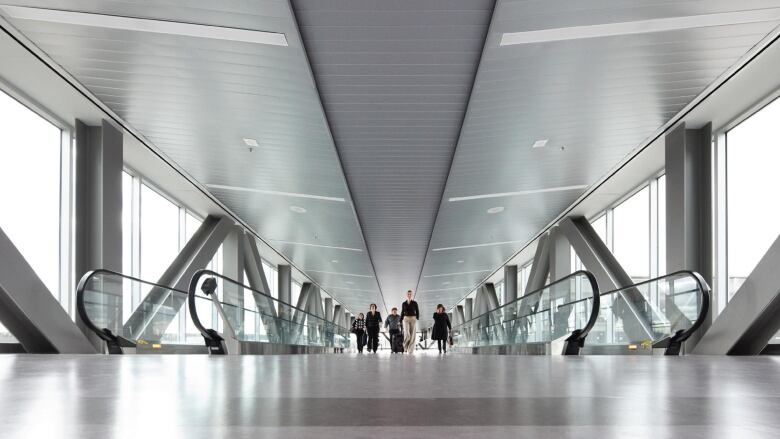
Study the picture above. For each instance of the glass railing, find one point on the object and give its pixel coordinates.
(225, 310)
(660, 313)
(564, 311)
(125, 311)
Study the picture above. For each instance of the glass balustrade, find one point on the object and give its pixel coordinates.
(245, 314)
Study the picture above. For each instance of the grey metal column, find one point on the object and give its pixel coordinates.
(468, 309)
(98, 211)
(630, 306)
(150, 320)
(233, 266)
(750, 320)
(284, 279)
(461, 314)
(689, 213)
(328, 309)
(30, 312)
(560, 255)
(510, 306)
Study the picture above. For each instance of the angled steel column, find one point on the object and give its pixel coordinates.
(30, 312)
(274, 328)
(299, 315)
(540, 267)
(98, 210)
(750, 320)
(461, 315)
(284, 280)
(629, 305)
(689, 211)
(329, 309)
(494, 318)
(150, 320)
(314, 307)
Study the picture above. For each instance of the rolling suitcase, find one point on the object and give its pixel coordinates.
(397, 342)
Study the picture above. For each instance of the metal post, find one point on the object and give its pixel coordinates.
(98, 211)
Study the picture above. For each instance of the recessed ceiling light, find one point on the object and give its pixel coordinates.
(349, 282)
(335, 261)
(486, 244)
(284, 194)
(282, 241)
(252, 143)
(461, 261)
(497, 209)
(541, 143)
(518, 193)
(145, 25)
(640, 26)
(445, 282)
(297, 209)
(455, 274)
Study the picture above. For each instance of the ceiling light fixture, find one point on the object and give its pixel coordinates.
(446, 282)
(336, 273)
(349, 282)
(298, 209)
(541, 143)
(519, 193)
(640, 26)
(447, 289)
(145, 25)
(267, 192)
(306, 244)
(497, 209)
(487, 244)
(252, 143)
(335, 261)
(455, 274)
(461, 261)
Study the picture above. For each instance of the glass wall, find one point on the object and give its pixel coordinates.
(753, 188)
(631, 232)
(32, 183)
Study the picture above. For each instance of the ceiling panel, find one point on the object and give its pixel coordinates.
(395, 79)
(197, 98)
(595, 99)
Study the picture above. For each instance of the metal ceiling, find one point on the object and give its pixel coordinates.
(397, 82)
(595, 99)
(395, 78)
(197, 98)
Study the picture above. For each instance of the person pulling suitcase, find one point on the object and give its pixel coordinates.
(393, 326)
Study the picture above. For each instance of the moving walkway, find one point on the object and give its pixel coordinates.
(656, 314)
(127, 314)
(233, 318)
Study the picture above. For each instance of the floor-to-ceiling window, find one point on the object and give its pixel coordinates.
(32, 209)
(631, 232)
(753, 191)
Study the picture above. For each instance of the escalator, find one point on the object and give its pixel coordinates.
(233, 318)
(129, 315)
(554, 319)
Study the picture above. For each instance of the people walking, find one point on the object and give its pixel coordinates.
(393, 326)
(359, 329)
(441, 328)
(373, 324)
(410, 313)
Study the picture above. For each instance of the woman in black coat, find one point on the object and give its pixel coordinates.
(373, 324)
(359, 329)
(441, 328)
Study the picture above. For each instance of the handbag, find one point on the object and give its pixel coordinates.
(449, 340)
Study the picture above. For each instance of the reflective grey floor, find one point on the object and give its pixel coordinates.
(425, 396)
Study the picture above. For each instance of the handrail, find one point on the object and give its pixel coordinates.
(706, 292)
(82, 311)
(211, 334)
(589, 275)
(578, 335)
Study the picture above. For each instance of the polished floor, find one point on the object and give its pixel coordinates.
(425, 396)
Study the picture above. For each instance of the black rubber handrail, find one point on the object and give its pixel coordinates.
(577, 335)
(706, 293)
(106, 333)
(210, 333)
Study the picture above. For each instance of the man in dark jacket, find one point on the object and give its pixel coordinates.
(410, 313)
(393, 325)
